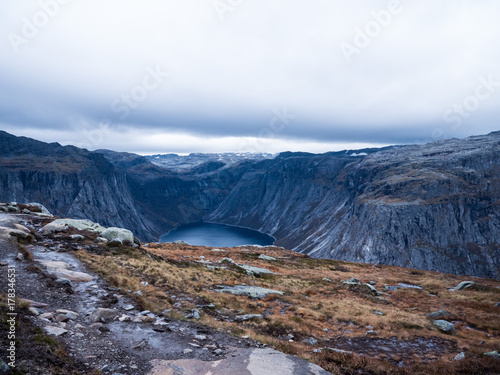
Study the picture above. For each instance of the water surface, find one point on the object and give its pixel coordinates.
(216, 235)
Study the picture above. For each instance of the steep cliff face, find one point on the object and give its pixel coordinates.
(434, 207)
(114, 189)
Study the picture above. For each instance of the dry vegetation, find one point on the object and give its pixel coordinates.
(316, 304)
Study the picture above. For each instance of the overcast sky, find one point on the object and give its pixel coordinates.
(248, 75)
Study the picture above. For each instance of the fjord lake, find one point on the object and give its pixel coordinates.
(216, 235)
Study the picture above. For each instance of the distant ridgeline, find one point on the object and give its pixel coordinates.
(434, 207)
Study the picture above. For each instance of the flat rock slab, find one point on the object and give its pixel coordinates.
(250, 291)
(62, 270)
(242, 362)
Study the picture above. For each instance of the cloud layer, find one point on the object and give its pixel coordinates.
(224, 75)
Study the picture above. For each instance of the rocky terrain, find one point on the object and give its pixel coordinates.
(91, 299)
(432, 207)
(69, 320)
(208, 162)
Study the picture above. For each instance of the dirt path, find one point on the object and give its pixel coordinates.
(142, 343)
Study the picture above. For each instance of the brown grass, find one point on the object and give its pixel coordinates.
(311, 306)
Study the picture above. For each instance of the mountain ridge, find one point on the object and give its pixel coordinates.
(431, 206)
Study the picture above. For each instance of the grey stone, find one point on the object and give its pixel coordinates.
(371, 333)
(34, 311)
(123, 235)
(445, 326)
(243, 361)
(266, 257)
(180, 242)
(243, 318)
(493, 354)
(438, 314)
(55, 331)
(77, 237)
(250, 291)
(464, 285)
(409, 286)
(459, 356)
(311, 341)
(104, 315)
(62, 225)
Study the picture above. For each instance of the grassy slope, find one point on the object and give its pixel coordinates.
(314, 307)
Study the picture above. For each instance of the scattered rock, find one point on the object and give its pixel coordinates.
(19, 257)
(250, 291)
(141, 345)
(144, 319)
(243, 318)
(463, 285)
(493, 354)
(371, 333)
(378, 313)
(195, 314)
(438, 315)
(352, 281)
(187, 351)
(101, 240)
(409, 286)
(33, 303)
(200, 337)
(104, 315)
(128, 307)
(459, 357)
(47, 316)
(445, 327)
(497, 304)
(34, 311)
(340, 351)
(77, 237)
(62, 270)
(311, 341)
(255, 271)
(55, 331)
(266, 257)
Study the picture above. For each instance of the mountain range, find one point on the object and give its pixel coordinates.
(433, 207)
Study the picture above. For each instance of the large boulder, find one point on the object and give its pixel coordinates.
(445, 326)
(62, 225)
(123, 235)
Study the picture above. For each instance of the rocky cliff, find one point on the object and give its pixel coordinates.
(435, 207)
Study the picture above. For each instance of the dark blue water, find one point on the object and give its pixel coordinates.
(217, 235)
